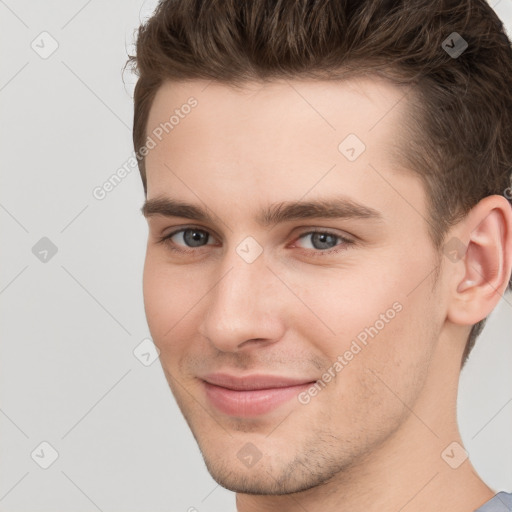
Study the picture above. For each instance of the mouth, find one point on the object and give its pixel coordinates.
(251, 395)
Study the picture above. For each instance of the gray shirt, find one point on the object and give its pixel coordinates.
(502, 502)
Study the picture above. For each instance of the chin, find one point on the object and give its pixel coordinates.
(264, 478)
(261, 483)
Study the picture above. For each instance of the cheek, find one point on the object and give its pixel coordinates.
(391, 369)
(347, 304)
(379, 323)
(155, 298)
(165, 300)
(377, 387)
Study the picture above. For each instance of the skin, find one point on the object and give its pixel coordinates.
(372, 439)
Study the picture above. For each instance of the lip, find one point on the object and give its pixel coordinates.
(251, 395)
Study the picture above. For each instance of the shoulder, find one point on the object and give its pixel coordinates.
(502, 502)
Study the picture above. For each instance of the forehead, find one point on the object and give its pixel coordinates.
(364, 106)
(276, 138)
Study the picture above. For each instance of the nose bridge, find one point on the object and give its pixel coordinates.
(240, 305)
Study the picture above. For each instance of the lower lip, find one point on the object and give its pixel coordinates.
(250, 403)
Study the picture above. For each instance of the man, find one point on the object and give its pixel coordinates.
(327, 193)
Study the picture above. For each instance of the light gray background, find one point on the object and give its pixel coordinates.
(69, 326)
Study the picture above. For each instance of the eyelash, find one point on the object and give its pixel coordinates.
(346, 243)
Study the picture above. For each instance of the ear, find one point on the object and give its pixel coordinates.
(482, 250)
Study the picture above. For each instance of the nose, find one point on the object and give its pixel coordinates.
(243, 308)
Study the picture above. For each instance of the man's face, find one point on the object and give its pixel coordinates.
(249, 315)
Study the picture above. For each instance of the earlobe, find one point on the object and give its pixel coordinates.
(487, 261)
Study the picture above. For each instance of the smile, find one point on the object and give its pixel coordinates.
(251, 395)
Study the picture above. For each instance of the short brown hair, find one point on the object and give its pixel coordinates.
(460, 122)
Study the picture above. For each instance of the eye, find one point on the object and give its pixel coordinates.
(324, 241)
(190, 237)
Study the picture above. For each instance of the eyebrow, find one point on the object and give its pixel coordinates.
(331, 208)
